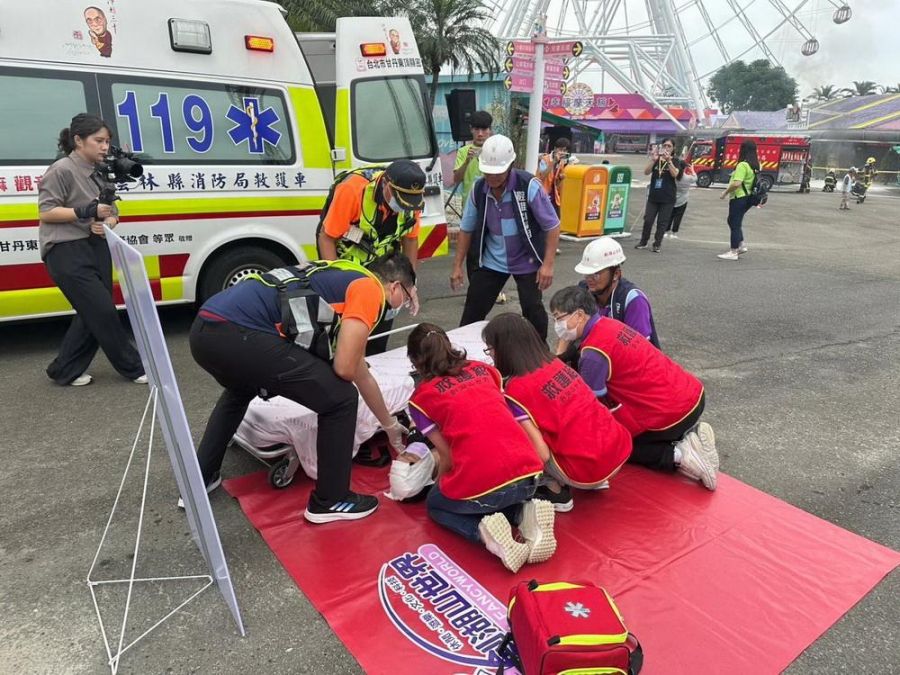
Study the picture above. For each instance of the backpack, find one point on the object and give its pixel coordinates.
(759, 192)
(567, 628)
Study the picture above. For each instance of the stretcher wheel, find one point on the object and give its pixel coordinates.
(278, 475)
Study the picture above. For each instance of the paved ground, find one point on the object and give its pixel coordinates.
(798, 344)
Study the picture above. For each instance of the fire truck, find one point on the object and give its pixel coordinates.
(781, 158)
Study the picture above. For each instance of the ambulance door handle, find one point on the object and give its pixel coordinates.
(338, 155)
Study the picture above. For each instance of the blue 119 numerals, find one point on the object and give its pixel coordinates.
(195, 111)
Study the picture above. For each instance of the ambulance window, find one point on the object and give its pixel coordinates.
(33, 109)
(390, 119)
(167, 122)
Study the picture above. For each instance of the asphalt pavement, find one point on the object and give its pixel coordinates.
(798, 344)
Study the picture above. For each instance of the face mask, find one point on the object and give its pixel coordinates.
(390, 313)
(395, 206)
(563, 332)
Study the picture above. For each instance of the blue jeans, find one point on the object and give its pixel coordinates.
(463, 515)
(736, 209)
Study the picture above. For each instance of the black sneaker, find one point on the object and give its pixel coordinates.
(655, 248)
(352, 507)
(562, 500)
(642, 244)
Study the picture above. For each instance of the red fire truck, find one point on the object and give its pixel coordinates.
(781, 158)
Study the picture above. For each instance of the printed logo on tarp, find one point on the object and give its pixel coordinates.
(442, 609)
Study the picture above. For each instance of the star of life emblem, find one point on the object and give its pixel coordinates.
(578, 610)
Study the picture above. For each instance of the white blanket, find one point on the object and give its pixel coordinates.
(280, 420)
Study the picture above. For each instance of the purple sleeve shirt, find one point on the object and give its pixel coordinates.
(637, 314)
(594, 369)
(423, 423)
(518, 411)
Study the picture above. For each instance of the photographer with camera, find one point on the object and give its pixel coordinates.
(550, 170)
(664, 170)
(74, 249)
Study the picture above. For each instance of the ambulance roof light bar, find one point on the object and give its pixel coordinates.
(187, 35)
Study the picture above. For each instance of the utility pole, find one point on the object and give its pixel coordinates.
(536, 104)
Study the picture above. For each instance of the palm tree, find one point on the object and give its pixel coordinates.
(826, 92)
(448, 32)
(322, 15)
(864, 88)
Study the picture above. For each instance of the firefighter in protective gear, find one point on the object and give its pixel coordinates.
(869, 172)
(372, 213)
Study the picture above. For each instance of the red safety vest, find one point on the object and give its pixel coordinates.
(655, 392)
(586, 442)
(488, 447)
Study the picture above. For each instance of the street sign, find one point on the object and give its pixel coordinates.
(552, 86)
(563, 48)
(519, 64)
(519, 83)
(519, 47)
(556, 71)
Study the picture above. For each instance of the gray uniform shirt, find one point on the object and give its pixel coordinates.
(67, 183)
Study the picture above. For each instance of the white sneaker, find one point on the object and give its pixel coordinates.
(216, 482)
(141, 380)
(707, 438)
(501, 299)
(81, 381)
(694, 463)
(672, 235)
(497, 536)
(728, 255)
(537, 529)
(667, 235)
(742, 250)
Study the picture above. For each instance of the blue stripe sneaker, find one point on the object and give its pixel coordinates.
(352, 507)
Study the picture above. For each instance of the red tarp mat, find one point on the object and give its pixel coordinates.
(733, 581)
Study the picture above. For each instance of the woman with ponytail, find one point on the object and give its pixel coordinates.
(487, 464)
(77, 258)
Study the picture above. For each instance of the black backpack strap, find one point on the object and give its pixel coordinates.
(507, 654)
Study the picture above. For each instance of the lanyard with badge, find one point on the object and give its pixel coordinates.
(660, 166)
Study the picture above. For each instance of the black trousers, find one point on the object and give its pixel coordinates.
(484, 287)
(677, 215)
(662, 214)
(83, 271)
(656, 449)
(244, 361)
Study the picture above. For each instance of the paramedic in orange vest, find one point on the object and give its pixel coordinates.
(584, 444)
(371, 214)
(240, 338)
(656, 399)
(550, 170)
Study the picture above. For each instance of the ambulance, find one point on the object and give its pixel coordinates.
(781, 158)
(240, 125)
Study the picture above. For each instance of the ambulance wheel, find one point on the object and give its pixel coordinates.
(704, 179)
(278, 474)
(766, 182)
(230, 267)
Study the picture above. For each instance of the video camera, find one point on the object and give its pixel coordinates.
(119, 166)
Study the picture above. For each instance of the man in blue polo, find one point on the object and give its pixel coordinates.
(509, 227)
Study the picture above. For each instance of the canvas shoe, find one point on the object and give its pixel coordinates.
(501, 298)
(673, 235)
(212, 485)
(694, 463)
(536, 528)
(497, 536)
(707, 438)
(352, 507)
(655, 248)
(562, 501)
(81, 381)
(742, 250)
(641, 245)
(141, 380)
(728, 255)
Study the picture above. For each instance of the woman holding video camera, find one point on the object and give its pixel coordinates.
(74, 249)
(664, 170)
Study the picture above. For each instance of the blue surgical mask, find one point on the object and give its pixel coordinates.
(390, 313)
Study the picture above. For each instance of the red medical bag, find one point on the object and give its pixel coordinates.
(568, 629)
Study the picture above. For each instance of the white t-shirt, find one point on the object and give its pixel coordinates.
(847, 183)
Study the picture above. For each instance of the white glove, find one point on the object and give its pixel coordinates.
(395, 433)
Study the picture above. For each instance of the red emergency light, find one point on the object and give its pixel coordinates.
(372, 49)
(258, 43)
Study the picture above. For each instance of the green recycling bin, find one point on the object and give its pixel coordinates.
(617, 200)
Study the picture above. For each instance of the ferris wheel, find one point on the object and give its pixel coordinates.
(667, 49)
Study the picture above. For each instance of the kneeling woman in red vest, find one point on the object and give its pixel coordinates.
(583, 444)
(487, 466)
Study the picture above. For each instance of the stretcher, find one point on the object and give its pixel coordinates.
(283, 433)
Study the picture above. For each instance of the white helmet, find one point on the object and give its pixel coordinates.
(497, 154)
(600, 254)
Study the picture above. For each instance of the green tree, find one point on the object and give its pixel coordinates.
(322, 15)
(892, 89)
(864, 88)
(449, 32)
(826, 92)
(753, 86)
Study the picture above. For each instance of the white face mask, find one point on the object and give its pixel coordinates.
(563, 332)
(394, 205)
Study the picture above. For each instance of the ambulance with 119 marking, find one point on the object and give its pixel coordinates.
(240, 124)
